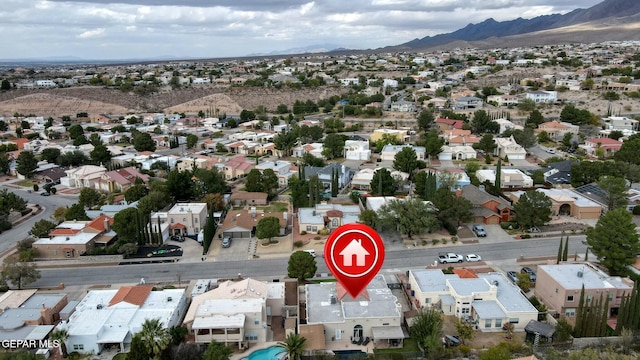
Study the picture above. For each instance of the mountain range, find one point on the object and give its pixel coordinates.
(608, 20)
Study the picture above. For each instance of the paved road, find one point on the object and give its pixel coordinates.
(49, 203)
(397, 260)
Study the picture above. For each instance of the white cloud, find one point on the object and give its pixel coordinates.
(91, 33)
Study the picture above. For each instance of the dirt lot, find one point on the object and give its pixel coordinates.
(482, 340)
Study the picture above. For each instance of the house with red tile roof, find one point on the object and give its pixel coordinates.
(72, 239)
(609, 146)
(448, 124)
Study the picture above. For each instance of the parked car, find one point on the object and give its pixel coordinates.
(451, 340)
(311, 252)
(178, 238)
(226, 242)
(472, 258)
(447, 258)
(513, 276)
(528, 270)
(44, 193)
(479, 230)
(551, 150)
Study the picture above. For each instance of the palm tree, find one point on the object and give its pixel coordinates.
(155, 337)
(60, 335)
(294, 345)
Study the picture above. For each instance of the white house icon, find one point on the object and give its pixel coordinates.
(354, 249)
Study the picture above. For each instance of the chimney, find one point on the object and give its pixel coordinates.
(107, 227)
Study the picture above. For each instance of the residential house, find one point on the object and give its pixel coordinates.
(402, 106)
(557, 129)
(468, 102)
(241, 224)
(463, 139)
(51, 175)
(83, 176)
(190, 163)
(329, 216)
(503, 100)
(508, 147)
(458, 152)
(448, 124)
(559, 287)
(314, 149)
(120, 180)
(507, 125)
(459, 176)
(400, 135)
(111, 317)
(361, 181)
(621, 123)
(376, 313)
(235, 312)
(558, 173)
(376, 202)
(566, 202)
(325, 175)
(236, 167)
(487, 300)
(389, 151)
(71, 239)
(357, 150)
(186, 219)
(509, 178)
(487, 209)
(243, 198)
(282, 169)
(542, 96)
(435, 102)
(29, 316)
(605, 145)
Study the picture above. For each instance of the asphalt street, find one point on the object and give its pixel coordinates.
(49, 203)
(501, 253)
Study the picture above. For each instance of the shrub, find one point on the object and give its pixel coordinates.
(298, 244)
(525, 236)
(303, 232)
(454, 239)
(444, 241)
(317, 238)
(636, 210)
(435, 241)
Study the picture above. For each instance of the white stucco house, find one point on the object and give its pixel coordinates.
(357, 150)
(510, 148)
(461, 152)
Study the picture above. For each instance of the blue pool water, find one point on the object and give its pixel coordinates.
(270, 353)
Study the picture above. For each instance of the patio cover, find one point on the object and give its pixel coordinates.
(387, 332)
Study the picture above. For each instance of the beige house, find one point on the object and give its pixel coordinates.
(329, 216)
(557, 129)
(236, 312)
(566, 202)
(400, 135)
(71, 239)
(236, 167)
(83, 176)
(248, 198)
(559, 287)
(241, 224)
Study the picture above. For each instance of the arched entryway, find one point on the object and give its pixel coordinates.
(357, 332)
(565, 210)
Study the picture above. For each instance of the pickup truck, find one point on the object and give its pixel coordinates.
(445, 258)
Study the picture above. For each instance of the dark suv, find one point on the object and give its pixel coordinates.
(528, 270)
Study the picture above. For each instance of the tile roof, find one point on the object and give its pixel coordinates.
(98, 223)
(135, 295)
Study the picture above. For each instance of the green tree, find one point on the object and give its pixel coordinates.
(425, 120)
(526, 105)
(153, 201)
(100, 154)
(217, 351)
(426, 330)
(285, 142)
(409, 216)
(629, 151)
(333, 146)
(61, 335)
(210, 181)
(453, 209)
(50, 155)
(433, 143)
(19, 273)
(89, 197)
(406, 161)
(124, 224)
(525, 138)
(614, 241)
(75, 131)
(563, 330)
(269, 183)
(575, 116)
(524, 281)
(614, 191)
(268, 227)
(135, 193)
(253, 182)
(180, 185)
(481, 123)
(533, 209)
(143, 142)
(496, 352)
(155, 337)
(309, 160)
(487, 144)
(42, 228)
(73, 158)
(5, 85)
(535, 118)
(299, 190)
(382, 183)
(426, 185)
(26, 164)
(369, 218)
(192, 140)
(5, 164)
(294, 344)
(76, 212)
(301, 266)
(465, 331)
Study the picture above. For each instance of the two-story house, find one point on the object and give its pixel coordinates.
(325, 175)
(282, 169)
(558, 129)
(83, 176)
(542, 96)
(607, 146)
(510, 148)
(184, 219)
(357, 150)
(120, 180)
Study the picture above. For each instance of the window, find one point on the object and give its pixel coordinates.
(427, 301)
(610, 296)
(314, 228)
(68, 253)
(334, 222)
(308, 228)
(589, 298)
(570, 298)
(172, 220)
(257, 322)
(487, 324)
(195, 220)
(514, 320)
(570, 312)
(465, 310)
(78, 346)
(184, 219)
(498, 323)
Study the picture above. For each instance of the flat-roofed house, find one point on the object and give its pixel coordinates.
(248, 198)
(559, 287)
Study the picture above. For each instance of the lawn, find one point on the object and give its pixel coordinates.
(26, 183)
(274, 207)
(409, 345)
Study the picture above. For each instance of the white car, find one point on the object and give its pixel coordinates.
(472, 258)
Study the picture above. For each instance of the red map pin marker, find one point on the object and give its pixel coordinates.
(354, 254)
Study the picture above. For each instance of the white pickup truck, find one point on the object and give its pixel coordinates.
(446, 258)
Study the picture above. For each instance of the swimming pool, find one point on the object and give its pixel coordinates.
(270, 353)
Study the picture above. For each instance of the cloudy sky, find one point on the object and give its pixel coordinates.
(152, 29)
